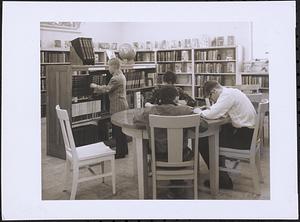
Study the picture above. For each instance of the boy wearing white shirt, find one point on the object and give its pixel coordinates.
(238, 133)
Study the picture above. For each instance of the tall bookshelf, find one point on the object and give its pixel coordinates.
(56, 56)
(179, 61)
(69, 87)
(220, 63)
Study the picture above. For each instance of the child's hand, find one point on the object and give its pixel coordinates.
(93, 85)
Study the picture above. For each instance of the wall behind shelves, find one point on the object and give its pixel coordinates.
(142, 31)
(138, 31)
(98, 31)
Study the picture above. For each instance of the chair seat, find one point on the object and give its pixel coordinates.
(92, 151)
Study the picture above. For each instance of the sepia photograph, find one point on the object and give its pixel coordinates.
(149, 110)
(97, 101)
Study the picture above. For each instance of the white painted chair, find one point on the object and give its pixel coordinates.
(84, 156)
(174, 168)
(251, 156)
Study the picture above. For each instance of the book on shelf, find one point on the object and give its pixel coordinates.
(184, 79)
(185, 55)
(230, 67)
(151, 79)
(54, 57)
(135, 79)
(230, 40)
(110, 54)
(99, 57)
(144, 57)
(84, 49)
(263, 81)
(220, 41)
(43, 84)
(43, 71)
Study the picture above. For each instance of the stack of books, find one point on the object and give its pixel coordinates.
(85, 50)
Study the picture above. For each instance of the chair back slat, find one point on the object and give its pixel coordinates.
(175, 145)
(174, 126)
(258, 130)
(67, 132)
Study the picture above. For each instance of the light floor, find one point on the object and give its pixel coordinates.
(126, 184)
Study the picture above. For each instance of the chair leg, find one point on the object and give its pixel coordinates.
(67, 172)
(196, 187)
(154, 194)
(258, 167)
(102, 170)
(74, 182)
(255, 176)
(113, 176)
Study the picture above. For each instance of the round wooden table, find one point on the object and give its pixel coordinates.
(124, 119)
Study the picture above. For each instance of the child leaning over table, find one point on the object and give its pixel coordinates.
(167, 106)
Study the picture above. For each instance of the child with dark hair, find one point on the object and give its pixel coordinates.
(169, 78)
(168, 96)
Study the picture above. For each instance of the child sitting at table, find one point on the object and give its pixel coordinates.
(167, 106)
(168, 97)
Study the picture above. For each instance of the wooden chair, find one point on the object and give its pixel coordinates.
(251, 156)
(174, 168)
(84, 156)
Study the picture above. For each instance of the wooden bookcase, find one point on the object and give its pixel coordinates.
(61, 83)
(221, 63)
(179, 61)
(56, 56)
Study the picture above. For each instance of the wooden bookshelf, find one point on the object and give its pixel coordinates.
(185, 66)
(220, 63)
(261, 78)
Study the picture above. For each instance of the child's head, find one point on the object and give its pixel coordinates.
(169, 78)
(168, 95)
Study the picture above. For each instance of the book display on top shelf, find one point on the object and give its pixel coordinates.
(82, 51)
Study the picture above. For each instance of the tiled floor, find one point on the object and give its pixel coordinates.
(53, 178)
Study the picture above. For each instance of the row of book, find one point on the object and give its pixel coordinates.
(81, 81)
(184, 55)
(263, 81)
(81, 86)
(220, 41)
(55, 57)
(223, 80)
(135, 100)
(43, 71)
(184, 79)
(215, 67)
(150, 79)
(175, 67)
(99, 57)
(145, 57)
(85, 108)
(43, 84)
(84, 49)
(218, 54)
(135, 79)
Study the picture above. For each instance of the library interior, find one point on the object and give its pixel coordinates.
(154, 110)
